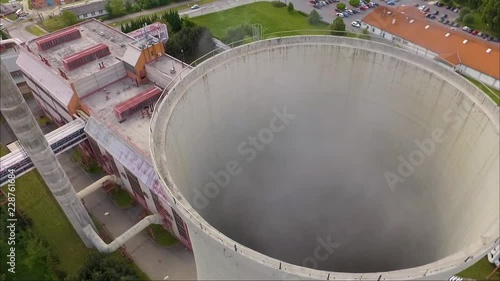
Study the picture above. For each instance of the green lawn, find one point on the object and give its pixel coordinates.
(493, 93)
(161, 236)
(36, 202)
(49, 221)
(122, 198)
(117, 22)
(480, 25)
(35, 30)
(480, 271)
(4, 1)
(272, 20)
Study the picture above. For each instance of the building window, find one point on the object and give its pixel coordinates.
(93, 13)
(180, 225)
(100, 12)
(134, 183)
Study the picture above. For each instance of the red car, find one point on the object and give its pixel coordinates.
(475, 32)
(363, 8)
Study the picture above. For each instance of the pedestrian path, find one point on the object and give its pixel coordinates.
(175, 262)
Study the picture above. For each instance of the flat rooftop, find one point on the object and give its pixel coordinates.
(93, 32)
(164, 64)
(135, 129)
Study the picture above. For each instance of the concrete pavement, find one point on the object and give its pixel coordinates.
(176, 262)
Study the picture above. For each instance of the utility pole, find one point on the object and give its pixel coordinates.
(20, 118)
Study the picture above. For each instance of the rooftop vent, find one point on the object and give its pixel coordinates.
(76, 60)
(447, 34)
(101, 33)
(427, 26)
(122, 45)
(465, 41)
(412, 20)
(112, 39)
(488, 51)
(57, 38)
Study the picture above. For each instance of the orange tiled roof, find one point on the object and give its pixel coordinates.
(472, 54)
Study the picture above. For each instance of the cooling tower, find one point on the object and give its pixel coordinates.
(330, 158)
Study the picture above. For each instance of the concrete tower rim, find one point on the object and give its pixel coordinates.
(165, 108)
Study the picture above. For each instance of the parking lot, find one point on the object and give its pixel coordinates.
(328, 12)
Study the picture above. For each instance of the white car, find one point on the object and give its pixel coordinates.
(194, 7)
(356, 24)
(340, 15)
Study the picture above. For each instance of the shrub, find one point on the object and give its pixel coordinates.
(278, 4)
(468, 19)
(314, 18)
(354, 3)
(338, 27)
(290, 7)
(341, 6)
(463, 12)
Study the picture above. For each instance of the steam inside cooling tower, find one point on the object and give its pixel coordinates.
(335, 158)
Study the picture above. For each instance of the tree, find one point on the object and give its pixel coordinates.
(129, 8)
(341, 6)
(314, 18)
(338, 27)
(191, 42)
(490, 14)
(354, 3)
(174, 20)
(115, 8)
(468, 19)
(464, 11)
(290, 7)
(99, 267)
(448, 2)
(69, 18)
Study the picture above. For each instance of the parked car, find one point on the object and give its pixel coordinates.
(426, 10)
(317, 6)
(432, 17)
(195, 6)
(355, 11)
(421, 7)
(444, 16)
(436, 13)
(439, 4)
(479, 34)
(455, 24)
(417, 5)
(363, 8)
(340, 15)
(356, 24)
(456, 10)
(346, 14)
(448, 7)
(474, 32)
(351, 12)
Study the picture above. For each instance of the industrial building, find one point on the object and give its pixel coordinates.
(316, 178)
(99, 85)
(87, 11)
(408, 27)
(9, 53)
(48, 3)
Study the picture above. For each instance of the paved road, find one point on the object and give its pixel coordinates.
(19, 31)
